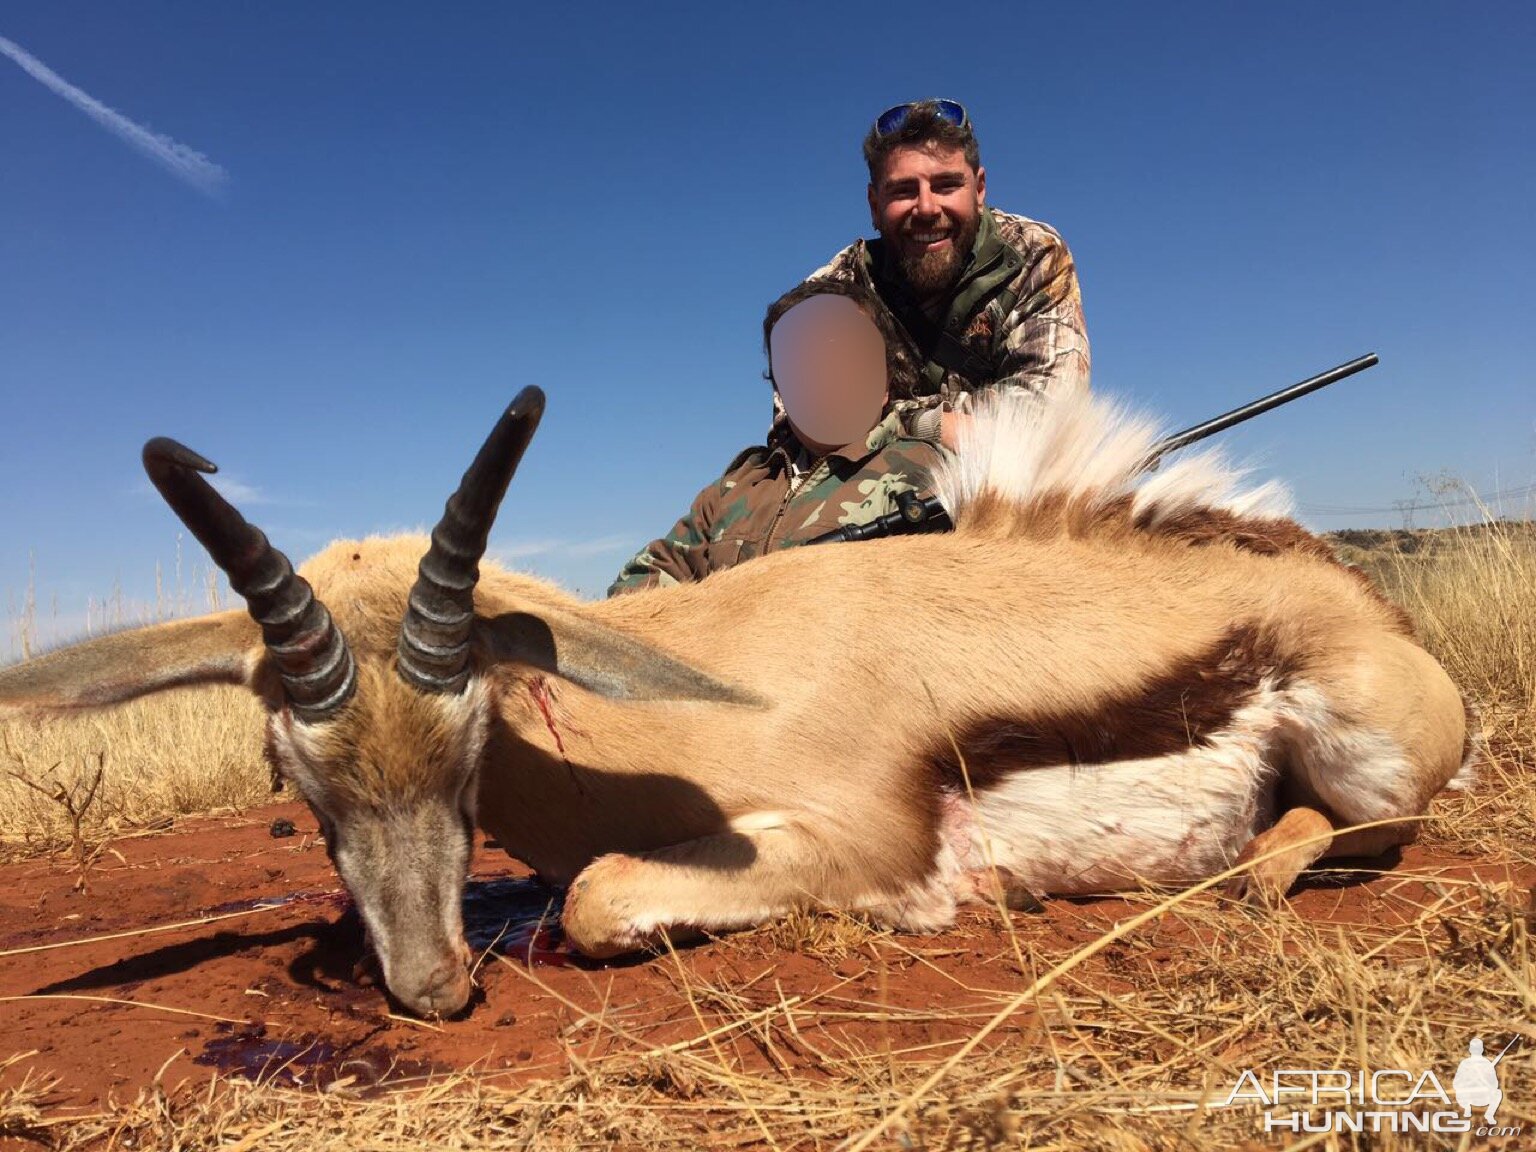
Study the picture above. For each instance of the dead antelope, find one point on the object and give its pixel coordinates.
(1096, 681)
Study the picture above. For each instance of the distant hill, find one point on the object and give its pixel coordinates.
(1425, 541)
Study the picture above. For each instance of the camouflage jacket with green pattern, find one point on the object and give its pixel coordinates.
(1016, 316)
(779, 496)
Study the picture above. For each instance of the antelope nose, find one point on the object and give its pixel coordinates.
(447, 989)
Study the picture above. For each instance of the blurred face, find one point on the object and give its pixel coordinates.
(830, 369)
(927, 208)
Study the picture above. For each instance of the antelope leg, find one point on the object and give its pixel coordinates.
(1267, 882)
(731, 880)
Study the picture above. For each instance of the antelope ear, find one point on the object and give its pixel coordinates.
(601, 659)
(216, 649)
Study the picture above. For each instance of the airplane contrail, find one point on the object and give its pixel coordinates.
(186, 163)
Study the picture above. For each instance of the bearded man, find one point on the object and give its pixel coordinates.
(980, 298)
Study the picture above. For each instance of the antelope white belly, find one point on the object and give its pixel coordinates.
(1075, 829)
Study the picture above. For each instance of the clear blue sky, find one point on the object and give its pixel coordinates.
(424, 207)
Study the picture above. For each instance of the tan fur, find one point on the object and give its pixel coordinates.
(857, 767)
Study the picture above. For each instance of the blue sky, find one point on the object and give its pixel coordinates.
(419, 209)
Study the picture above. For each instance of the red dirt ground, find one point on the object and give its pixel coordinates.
(273, 993)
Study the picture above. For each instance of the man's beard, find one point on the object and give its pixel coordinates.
(932, 273)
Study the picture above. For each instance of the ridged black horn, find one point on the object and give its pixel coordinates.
(310, 652)
(434, 636)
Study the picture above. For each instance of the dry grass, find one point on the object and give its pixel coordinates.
(160, 758)
(1130, 1041)
(1135, 1047)
(195, 751)
(1472, 593)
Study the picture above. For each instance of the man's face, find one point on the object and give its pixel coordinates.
(927, 208)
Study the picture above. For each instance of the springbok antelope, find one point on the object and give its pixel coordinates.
(1098, 680)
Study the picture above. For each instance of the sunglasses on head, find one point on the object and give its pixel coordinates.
(895, 118)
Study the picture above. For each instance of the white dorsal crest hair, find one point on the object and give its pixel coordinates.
(1082, 450)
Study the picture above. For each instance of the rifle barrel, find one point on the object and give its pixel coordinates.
(1262, 405)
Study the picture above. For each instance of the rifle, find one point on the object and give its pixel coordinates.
(926, 514)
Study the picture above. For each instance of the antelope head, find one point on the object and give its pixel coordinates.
(379, 713)
(383, 740)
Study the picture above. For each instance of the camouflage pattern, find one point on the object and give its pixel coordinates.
(1039, 343)
(779, 496)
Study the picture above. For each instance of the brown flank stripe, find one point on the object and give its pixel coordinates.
(1179, 711)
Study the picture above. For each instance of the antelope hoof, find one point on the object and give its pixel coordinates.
(1255, 891)
(604, 917)
(594, 923)
(1278, 855)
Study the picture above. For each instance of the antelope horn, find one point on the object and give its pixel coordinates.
(434, 636)
(311, 654)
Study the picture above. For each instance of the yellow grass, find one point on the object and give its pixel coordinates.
(1472, 594)
(161, 757)
(192, 751)
(1130, 1041)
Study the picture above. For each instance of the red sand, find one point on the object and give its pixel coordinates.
(284, 980)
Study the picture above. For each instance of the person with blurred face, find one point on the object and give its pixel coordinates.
(977, 298)
(840, 455)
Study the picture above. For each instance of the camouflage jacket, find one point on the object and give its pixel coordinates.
(1015, 319)
(778, 496)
